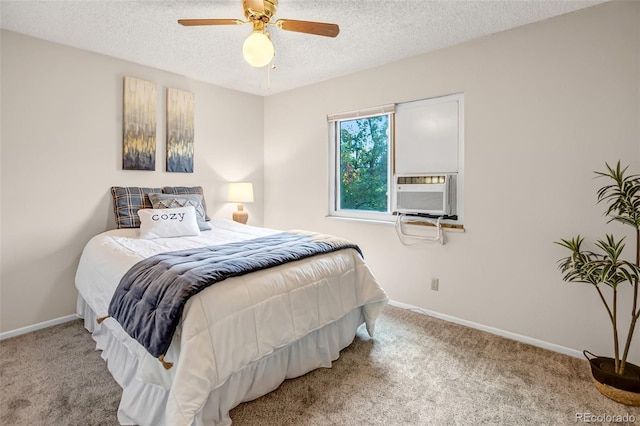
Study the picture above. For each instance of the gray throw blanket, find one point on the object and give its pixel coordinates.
(150, 298)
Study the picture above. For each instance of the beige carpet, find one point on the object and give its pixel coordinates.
(417, 371)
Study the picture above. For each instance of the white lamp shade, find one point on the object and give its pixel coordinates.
(258, 49)
(240, 192)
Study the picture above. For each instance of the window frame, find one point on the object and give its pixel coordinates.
(392, 110)
(334, 164)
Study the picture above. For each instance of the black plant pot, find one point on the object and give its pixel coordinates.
(624, 389)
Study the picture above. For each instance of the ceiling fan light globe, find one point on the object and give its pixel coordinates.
(258, 49)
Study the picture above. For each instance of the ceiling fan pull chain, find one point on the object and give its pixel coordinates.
(269, 68)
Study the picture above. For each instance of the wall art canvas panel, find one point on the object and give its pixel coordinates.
(139, 118)
(179, 131)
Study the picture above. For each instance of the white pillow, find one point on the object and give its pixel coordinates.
(177, 222)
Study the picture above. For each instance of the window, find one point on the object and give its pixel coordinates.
(361, 152)
(369, 147)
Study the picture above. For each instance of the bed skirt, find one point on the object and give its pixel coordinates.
(144, 403)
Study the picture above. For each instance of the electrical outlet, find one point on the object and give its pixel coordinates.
(434, 284)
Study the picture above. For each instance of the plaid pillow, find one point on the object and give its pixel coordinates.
(171, 201)
(188, 190)
(127, 200)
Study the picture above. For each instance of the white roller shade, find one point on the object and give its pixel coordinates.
(362, 113)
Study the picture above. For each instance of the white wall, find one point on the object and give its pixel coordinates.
(545, 106)
(62, 150)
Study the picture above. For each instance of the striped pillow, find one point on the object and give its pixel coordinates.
(188, 190)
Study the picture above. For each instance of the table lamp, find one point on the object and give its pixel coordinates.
(240, 192)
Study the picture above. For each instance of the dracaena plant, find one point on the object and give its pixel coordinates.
(606, 268)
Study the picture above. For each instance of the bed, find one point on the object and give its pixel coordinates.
(236, 340)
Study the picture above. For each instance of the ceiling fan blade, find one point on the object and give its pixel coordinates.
(195, 22)
(317, 28)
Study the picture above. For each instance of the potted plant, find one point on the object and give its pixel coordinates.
(605, 270)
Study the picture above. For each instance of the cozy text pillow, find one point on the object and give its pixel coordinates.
(159, 223)
(170, 201)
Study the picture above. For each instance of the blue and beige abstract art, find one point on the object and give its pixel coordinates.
(139, 124)
(179, 131)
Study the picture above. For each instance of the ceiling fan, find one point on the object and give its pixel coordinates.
(258, 49)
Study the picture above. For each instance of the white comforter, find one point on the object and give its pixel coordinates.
(235, 322)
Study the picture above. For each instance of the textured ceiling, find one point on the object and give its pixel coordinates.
(372, 33)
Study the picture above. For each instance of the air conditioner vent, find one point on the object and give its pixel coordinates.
(432, 194)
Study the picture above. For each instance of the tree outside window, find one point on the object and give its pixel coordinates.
(364, 162)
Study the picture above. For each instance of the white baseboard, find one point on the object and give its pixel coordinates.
(449, 318)
(39, 326)
(492, 330)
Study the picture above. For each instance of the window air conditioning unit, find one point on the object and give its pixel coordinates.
(427, 194)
